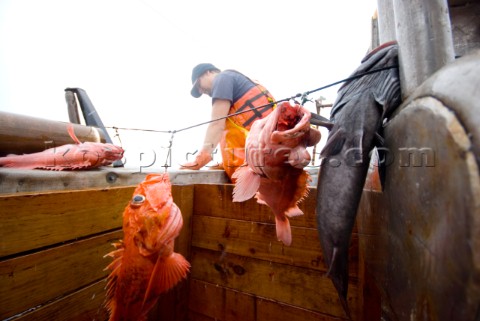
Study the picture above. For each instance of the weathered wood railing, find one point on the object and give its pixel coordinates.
(53, 243)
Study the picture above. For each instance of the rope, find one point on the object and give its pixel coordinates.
(143, 130)
(349, 79)
(299, 95)
(169, 153)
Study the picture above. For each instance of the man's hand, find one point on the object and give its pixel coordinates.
(201, 160)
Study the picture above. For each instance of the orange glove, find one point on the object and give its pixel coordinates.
(201, 160)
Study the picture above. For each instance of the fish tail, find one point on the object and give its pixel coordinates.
(333, 260)
(284, 232)
(337, 263)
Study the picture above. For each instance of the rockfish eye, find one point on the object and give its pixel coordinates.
(137, 200)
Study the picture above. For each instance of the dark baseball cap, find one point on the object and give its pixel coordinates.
(197, 71)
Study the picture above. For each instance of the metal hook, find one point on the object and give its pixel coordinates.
(117, 134)
(169, 153)
(304, 98)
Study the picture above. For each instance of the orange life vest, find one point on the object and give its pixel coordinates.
(244, 114)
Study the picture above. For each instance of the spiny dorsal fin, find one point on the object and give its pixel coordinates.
(71, 132)
(114, 267)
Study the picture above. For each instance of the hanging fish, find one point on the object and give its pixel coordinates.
(357, 114)
(67, 157)
(276, 154)
(145, 264)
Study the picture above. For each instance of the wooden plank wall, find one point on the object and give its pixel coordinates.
(52, 248)
(53, 243)
(241, 272)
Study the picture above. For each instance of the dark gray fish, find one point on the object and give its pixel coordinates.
(357, 114)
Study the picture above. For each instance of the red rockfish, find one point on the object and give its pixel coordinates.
(276, 153)
(145, 264)
(67, 157)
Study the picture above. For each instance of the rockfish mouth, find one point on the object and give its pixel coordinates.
(276, 153)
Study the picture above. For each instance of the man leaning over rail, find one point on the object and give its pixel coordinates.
(237, 102)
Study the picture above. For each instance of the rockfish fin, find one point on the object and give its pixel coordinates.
(166, 273)
(284, 232)
(71, 132)
(112, 278)
(302, 187)
(300, 192)
(246, 185)
(294, 211)
(335, 143)
(314, 136)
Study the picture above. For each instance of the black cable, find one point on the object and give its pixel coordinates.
(269, 104)
(296, 96)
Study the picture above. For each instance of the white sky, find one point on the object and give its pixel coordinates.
(134, 58)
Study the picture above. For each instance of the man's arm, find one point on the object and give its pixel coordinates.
(220, 108)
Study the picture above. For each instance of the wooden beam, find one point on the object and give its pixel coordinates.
(258, 240)
(300, 287)
(72, 107)
(32, 280)
(386, 21)
(21, 134)
(33, 221)
(85, 304)
(221, 205)
(213, 302)
(424, 34)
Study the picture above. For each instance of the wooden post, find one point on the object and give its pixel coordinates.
(424, 34)
(72, 107)
(386, 21)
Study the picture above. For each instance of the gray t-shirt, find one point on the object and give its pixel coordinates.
(230, 85)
